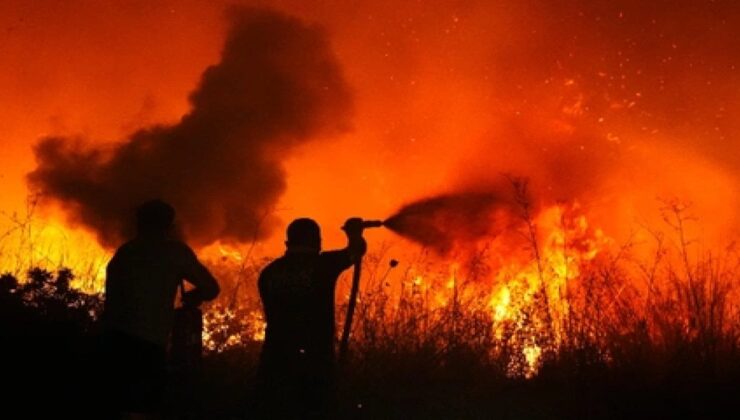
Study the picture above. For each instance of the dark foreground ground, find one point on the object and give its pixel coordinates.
(49, 369)
(38, 383)
(407, 389)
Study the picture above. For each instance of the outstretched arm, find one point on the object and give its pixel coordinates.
(343, 259)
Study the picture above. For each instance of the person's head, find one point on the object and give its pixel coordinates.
(154, 217)
(303, 234)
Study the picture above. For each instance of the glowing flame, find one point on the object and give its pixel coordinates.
(227, 327)
(500, 304)
(230, 253)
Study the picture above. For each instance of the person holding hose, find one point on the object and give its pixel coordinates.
(295, 375)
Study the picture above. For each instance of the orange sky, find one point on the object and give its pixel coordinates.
(644, 101)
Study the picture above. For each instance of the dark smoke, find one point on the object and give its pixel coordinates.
(278, 84)
(447, 221)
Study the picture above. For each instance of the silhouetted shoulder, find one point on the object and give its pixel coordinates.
(270, 269)
(125, 248)
(181, 248)
(274, 265)
(121, 254)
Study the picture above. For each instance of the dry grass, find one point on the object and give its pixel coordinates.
(644, 335)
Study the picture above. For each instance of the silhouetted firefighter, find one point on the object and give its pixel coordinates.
(295, 377)
(140, 289)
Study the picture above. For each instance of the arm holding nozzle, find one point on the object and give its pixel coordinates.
(356, 245)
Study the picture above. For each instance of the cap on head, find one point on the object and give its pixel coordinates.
(154, 216)
(304, 232)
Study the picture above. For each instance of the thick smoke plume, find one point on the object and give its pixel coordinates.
(447, 221)
(278, 84)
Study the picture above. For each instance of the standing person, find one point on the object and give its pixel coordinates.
(140, 289)
(295, 375)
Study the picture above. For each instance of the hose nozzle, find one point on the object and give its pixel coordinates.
(357, 224)
(372, 224)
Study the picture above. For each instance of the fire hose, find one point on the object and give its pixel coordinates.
(357, 271)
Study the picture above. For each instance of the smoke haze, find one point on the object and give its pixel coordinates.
(608, 103)
(277, 85)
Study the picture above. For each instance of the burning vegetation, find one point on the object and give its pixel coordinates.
(551, 297)
(548, 287)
